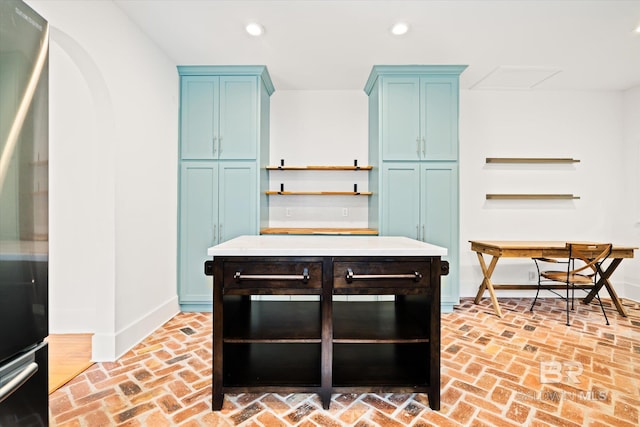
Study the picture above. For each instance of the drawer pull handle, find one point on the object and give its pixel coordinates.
(14, 384)
(416, 276)
(238, 276)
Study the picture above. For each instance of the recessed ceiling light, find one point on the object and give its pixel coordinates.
(254, 29)
(638, 29)
(399, 28)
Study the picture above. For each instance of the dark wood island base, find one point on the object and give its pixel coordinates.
(319, 344)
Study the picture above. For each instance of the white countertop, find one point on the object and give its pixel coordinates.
(287, 245)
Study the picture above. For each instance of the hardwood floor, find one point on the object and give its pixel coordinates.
(69, 355)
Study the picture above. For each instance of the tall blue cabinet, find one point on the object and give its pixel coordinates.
(413, 146)
(224, 149)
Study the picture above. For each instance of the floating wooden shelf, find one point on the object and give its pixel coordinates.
(530, 160)
(531, 197)
(320, 168)
(318, 230)
(319, 193)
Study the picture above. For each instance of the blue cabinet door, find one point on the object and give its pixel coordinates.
(439, 118)
(238, 199)
(400, 199)
(400, 118)
(238, 117)
(439, 220)
(198, 117)
(198, 229)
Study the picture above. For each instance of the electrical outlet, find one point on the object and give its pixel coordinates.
(532, 275)
(345, 211)
(287, 212)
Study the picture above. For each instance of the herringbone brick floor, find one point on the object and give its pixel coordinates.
(525, 369)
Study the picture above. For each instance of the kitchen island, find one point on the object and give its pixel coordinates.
(300, 339)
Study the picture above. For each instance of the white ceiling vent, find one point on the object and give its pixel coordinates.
(516, 78)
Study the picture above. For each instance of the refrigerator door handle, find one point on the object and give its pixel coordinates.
(16, 382)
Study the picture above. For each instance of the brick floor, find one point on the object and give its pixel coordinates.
(491, 376)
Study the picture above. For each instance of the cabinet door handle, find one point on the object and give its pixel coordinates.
(418, 146)
(417, 232)
(220, 145)
(304, 277)
(214, 233)
(424, 147)
(215, 139)
(415, 276)
(424, 237)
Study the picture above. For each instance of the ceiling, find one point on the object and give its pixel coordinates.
(332, 44)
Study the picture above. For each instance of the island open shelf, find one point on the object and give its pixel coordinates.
(258, 365)
(369, 367)
(322, 344)
(387, 322)
(249, 321)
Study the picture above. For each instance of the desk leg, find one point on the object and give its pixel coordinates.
(604, 281)
(486, 282)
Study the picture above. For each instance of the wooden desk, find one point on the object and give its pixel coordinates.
(537, 249)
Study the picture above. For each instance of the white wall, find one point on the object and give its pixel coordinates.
(113, 175)
(630, 215)
(318, 128)
(583, 125)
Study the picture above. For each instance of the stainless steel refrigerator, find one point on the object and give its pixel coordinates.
(24, 200)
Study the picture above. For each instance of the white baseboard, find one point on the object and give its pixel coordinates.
(108, 347)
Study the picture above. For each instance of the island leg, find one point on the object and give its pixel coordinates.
(218, 400)
(326, 369)
(218, 316)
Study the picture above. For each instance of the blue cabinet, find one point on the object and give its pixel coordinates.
(224, 137)
(217, 203)
(420, 200)
(413, 146)
(219, 117)
(418, 117)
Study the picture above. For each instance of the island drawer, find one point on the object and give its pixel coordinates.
(394, 273)
(272, 274)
